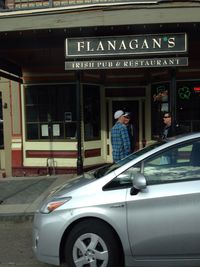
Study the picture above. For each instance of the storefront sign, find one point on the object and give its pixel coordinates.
(126, 63)
(126, 45)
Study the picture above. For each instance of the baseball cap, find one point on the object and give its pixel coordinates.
(118, 114)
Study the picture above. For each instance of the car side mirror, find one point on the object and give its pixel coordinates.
(139, 183)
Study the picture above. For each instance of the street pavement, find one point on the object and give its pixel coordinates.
(20, 196)
(16, 245)
(19, 199)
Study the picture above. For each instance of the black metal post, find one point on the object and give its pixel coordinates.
(78, 111)
(143, 124)
(172, 104)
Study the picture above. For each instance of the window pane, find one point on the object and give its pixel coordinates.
(32, 131)
(180, 163)
(92, 118)
(70, 130)
(31, 114)
(44, 113)
(31, 95)
(188, 111)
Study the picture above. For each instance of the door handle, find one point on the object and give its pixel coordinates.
(118, 206)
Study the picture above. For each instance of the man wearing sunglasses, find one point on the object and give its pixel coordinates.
(168, 131)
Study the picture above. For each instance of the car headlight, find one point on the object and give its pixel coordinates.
(54, 204)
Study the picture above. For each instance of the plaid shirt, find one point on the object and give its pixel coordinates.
(120, 141)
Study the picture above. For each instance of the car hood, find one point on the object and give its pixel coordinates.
(72, 184)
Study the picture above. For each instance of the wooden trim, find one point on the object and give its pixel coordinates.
(16, 158)
(93, 153)
(49, 154)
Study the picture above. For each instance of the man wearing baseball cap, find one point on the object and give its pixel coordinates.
(119, 137)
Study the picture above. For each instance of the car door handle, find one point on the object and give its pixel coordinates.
(117, 206)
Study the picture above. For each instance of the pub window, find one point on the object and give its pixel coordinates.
(91, 108)
(160, 105)
(50, 112)
(187, 105)
(188, 99)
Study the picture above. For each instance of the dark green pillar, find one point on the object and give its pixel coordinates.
(172, 104)
(78, 111)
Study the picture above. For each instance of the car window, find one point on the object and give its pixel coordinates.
(102, 171)
(179, 163)
(123, 180)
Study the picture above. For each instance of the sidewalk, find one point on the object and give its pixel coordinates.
(20, 196)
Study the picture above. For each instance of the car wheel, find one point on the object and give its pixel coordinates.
(91, 243)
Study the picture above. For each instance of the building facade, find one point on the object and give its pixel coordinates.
(67, 66)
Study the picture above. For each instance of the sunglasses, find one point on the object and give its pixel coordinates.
(165, 117)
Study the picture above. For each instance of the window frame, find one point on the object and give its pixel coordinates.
(60, 134)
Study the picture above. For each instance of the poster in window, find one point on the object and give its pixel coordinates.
(68, 116)
(164, 107)
(44, 130)
(56, 130)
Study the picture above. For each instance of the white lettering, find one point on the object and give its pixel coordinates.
(122, 45)
(133, 44)
(141, 62)
(147, 63)
(118, 64)
(171, 42)
(110, 64)
(112, 45)
(159, 62)
(145, 44)
(136, 63)
(80, 45)
(89, 48)
(165, 62)
(78, 65)
(157, 43)
(100, 46)
(177, 61)
(125, 63)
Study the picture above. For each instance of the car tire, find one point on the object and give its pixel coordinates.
(92, 243)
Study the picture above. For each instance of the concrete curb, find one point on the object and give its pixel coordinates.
(21, 217)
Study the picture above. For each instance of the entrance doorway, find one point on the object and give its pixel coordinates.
(2, 151)
(135, 107)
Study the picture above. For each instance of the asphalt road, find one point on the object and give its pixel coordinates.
(15, 245)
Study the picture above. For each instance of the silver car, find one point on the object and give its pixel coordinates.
(142, 211)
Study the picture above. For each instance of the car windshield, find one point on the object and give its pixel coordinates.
(111, 167)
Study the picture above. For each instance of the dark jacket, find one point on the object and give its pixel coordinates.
(168, 132)
(132, 136)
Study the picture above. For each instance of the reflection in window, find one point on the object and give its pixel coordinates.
(46, 109)
(176, 164)
(91, 106)
(123, 180)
